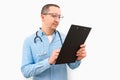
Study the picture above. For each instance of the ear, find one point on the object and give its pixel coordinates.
(42, 16)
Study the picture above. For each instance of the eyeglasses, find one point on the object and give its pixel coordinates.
(54, 15)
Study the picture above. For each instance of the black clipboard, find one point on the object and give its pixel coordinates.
(75, 37)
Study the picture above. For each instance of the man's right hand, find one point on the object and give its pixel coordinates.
(54, 56)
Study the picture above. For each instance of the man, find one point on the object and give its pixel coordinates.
(41, 49)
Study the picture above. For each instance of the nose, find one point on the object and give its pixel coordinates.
(57, 19)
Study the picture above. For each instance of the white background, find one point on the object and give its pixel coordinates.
(21, 18)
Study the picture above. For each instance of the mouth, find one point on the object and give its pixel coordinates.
(55, 24)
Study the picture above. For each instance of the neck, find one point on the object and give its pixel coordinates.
(47, 31)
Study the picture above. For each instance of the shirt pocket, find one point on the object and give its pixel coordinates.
(40, 53)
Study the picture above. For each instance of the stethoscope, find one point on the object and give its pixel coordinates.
(41, 39)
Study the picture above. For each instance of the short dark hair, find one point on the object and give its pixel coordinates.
(45, 8)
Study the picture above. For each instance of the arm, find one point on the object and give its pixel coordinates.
(74, 65)
(29, 67)
(81, 53)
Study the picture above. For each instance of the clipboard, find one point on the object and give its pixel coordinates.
(75, 37)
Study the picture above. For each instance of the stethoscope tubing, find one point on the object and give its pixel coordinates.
(41, 38)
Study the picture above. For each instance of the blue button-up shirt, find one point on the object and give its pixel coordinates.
(35, 58)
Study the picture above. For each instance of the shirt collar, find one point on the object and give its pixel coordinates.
(41, 33)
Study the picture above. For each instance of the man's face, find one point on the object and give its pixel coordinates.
(52, 18)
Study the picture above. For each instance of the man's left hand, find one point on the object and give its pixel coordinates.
(81, 53)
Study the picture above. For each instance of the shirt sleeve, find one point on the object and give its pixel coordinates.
(75, 64)
(29, 68)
